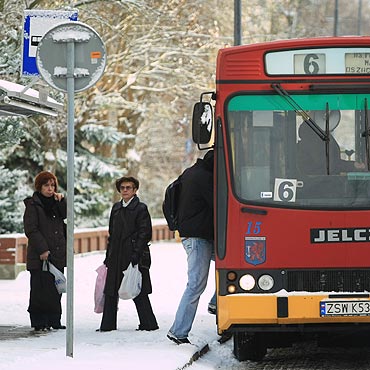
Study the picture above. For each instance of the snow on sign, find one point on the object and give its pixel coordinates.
(36, 24)
(72, 45)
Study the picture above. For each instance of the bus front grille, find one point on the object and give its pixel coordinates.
(328, 280)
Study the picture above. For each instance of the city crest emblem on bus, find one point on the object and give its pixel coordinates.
(255, 250)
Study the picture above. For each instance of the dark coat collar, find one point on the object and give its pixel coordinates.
(133, 204)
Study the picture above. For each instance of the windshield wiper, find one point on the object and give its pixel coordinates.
(366, 134)
(323, 135)
(299, 110)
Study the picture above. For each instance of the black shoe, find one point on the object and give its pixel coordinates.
(59, 327)
(105, 329)
(224, 337)
(141, 328)
(39, 329)
(176, 340)
(212, 308)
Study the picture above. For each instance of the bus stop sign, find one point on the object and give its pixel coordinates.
(71, 58)
(89, 56)
(36, 24)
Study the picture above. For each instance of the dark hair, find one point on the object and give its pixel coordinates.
(43, 178)
(209, 156)
(208, 160)
(126, 179)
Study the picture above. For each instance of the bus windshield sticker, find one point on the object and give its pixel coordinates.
(266, 194)
(255, 250)
(285, 190)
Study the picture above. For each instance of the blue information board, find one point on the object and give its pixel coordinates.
(36, 24)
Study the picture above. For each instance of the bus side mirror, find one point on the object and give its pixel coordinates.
(202, 122)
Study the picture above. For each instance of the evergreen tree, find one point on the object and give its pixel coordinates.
(136, 120)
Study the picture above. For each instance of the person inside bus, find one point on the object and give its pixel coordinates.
(312, 149)
(196, 231)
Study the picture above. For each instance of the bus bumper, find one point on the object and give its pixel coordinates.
(245, 311)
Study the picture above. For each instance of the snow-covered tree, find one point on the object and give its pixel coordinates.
(136, 120)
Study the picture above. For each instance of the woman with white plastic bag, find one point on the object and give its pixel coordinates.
(130, 231)
(60, 280)
(44, 227)
(131, 283)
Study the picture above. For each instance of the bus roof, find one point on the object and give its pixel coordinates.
(283, 57)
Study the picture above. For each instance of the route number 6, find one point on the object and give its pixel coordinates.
(285, 190)
(310, 64)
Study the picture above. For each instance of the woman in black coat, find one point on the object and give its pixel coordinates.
(44, 227)
(130, 231)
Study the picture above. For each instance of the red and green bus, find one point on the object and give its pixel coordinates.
(289, 123)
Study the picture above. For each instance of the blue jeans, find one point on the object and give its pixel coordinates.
(199, 253)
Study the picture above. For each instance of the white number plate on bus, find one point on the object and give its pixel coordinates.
(345, 308)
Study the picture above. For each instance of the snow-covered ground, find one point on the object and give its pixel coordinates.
(125, 348)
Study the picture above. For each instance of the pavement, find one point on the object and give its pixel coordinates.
(17, 332)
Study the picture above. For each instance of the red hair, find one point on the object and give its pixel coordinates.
(43, 178)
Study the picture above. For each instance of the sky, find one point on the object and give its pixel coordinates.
(124, 348)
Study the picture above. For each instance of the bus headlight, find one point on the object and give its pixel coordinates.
(266, 282)
(247, 282)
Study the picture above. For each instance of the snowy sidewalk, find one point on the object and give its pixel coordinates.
(125, 348)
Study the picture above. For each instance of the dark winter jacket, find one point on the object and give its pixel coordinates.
(130, 230)
(196, 200)
(45, 232)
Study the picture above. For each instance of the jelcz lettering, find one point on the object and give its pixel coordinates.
(350, 235)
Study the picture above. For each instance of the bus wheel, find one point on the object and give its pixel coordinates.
(249, 347)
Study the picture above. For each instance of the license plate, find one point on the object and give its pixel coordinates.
(345, 308)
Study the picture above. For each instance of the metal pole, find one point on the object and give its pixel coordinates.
(336, 18)
(359, 18)
(70, 194)
(237, 22)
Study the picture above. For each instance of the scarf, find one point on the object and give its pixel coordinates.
(47, 202)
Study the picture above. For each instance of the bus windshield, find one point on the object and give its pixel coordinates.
(279, 159)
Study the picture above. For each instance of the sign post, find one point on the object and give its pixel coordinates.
(71, 58)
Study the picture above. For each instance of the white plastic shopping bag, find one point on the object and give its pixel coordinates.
(131, 283)
(99, 296)
(59, 278)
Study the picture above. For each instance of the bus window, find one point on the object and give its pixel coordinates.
(277, 158)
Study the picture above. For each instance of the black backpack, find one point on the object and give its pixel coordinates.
(171, 204)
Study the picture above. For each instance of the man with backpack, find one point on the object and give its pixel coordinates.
(195, 226)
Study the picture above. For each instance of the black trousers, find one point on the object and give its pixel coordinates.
(143, 307)
(44, 306)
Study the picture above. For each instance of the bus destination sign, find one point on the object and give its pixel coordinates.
(322, 61)
(357, 63)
